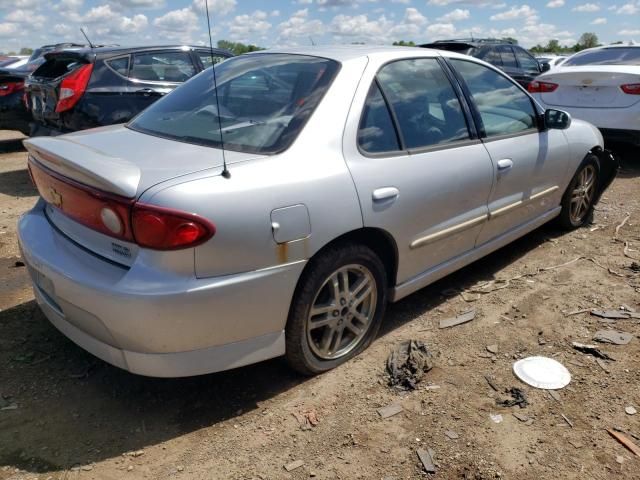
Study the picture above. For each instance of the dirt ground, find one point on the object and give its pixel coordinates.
(72, 416)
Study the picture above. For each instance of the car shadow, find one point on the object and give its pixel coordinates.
(11, 146)
(65, 396)
(16, 183)
(629, 157)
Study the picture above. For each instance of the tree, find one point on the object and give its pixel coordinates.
(26, 51)
(402, 43)
(237, 48)
(553, 46)
(588, 40)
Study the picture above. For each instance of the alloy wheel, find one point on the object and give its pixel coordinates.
(583, 194)
(342, 312)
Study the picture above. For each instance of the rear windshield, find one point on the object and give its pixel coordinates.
(57, 66)
(606, 56)
(264, 101)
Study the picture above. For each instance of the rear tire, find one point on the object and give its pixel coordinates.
(579, 198)
(337, 308)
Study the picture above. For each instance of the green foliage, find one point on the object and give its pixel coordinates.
(237, 48)
(587, 40)
(26, 51)
(402, 43)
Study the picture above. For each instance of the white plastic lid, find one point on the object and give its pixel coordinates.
(542, 372)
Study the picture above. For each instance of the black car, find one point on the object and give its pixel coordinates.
(13, 112)
(507, 56)
(91, 87)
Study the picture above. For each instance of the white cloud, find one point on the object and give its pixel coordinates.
(455, 15)
(440, 30)
(25, 17)
(555, 4)
(8, 29)
(243, 27)
(299, 25)
(177, 21)
(360, 27)
(586, 8)
(524, 11)
(216, 7)
(599, 21)
(629, 8)
(630, 32)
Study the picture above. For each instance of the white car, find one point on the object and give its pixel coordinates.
(552, 60)
(600, 85)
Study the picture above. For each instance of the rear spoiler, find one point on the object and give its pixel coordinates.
(85, 56)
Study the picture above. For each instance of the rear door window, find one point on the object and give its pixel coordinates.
(377, 132)
(502, 105)
(424, 103)
(173, 67)
(507, 56)
(491, 55)
(120, 65)
(527, 62)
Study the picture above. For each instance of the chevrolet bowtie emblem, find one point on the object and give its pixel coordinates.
(55, 197)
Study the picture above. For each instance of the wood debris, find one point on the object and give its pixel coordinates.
(459, 320)
(626, 441)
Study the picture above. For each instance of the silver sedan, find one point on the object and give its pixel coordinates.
(277, 208)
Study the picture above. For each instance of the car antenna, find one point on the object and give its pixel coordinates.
(225, 171)
(91, 45)
(311, 40)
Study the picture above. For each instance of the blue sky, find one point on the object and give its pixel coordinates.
(289, 22)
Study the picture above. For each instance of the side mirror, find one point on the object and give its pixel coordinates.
(557, 119)
(545, 66)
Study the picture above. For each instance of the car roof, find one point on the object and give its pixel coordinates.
(117, 49)
(343, 53)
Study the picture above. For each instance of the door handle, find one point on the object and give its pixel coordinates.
(385, 193)
(505, 164)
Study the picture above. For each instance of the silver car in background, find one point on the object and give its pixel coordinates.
(355, 176)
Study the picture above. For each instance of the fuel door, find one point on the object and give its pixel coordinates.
(290, 223)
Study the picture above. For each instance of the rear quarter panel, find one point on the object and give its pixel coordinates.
(312, 172)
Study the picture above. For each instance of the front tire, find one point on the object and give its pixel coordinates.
(579, 199)
(337, 308)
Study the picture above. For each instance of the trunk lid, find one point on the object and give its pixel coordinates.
(43, 87)
(113, 163)
(591, 86)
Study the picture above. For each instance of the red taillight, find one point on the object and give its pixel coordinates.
(165, 229)
(542, 87)
(631, 88)
(73, 87)
(10, 87)
(149, 226)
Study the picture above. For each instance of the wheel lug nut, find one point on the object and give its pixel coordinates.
(336, 313)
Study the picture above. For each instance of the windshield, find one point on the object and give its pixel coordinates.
(606, 56)
(264, 100)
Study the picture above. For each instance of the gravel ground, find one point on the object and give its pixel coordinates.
(72, 416)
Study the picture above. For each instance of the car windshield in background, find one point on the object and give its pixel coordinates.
(605, 56)
(264, 101)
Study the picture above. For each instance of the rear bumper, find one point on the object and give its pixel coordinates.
(153, 322)
(38, 129)
(606, 119)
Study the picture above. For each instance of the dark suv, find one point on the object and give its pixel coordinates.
(91, 87)
(507, 56)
